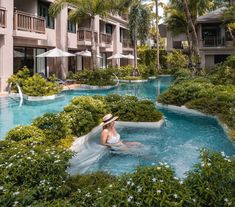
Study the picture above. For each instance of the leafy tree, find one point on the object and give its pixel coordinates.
(139, 24)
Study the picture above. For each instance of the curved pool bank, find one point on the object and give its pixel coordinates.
(178, 142)
(88, 151)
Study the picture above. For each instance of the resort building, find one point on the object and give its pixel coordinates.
(215, 44)
(27, 30)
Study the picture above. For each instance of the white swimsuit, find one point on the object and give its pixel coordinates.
(114, 139)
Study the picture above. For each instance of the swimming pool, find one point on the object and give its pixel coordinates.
(178, 142)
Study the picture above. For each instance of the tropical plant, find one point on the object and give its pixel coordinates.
(88, 9)
(139, 25)
(229, 20)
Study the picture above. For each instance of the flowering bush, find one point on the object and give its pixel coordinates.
(28, 134)
(211, 183)
(30, 173)
(55, 126)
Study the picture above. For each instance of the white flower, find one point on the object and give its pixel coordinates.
(110, 186)
(181, 182)
(132, 184)
(1, 187)
(159, 191)
(88, 195)
(167, 166)
(50, 188)
(158, 168)
(128, 182)
(161, 181)
(114, 206)
(129, 199)
(16, 193)
(154, 179)
(202, 164)
(79, 190)
(175, 195)
(226, 200)
(208, 164)
(194, 200)
(229, 203)
(57, 161)
(139, 189)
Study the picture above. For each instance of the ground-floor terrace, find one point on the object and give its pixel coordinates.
(24, 53)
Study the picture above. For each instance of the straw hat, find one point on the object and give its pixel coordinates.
(108, 119)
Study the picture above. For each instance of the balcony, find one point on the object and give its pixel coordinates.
(213, 42)
(84, 36)
(29, 26)
(126, 44)
(105, 39)
(2, 17)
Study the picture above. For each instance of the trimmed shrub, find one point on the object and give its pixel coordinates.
(98, 77)
(27, 134)
(38, 86)
(35, 85)
(97, 108)
(81, 121)
(55, 126)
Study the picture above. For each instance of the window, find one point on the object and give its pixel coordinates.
(109, 29)
(27, 57)
(43, 12)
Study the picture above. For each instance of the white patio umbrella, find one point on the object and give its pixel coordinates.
(56, 52)
(117, 56)
(130, 57)
(86, 53)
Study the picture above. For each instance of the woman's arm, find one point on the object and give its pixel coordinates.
(104, 137)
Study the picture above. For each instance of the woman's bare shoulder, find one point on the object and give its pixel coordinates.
(105, 132)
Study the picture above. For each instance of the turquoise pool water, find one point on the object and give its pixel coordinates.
(178, 142)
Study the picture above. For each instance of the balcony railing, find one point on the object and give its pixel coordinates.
(2, 17)
(213, 42)
(126, 44)
(84, 34)
(28, 22)
(106, 38)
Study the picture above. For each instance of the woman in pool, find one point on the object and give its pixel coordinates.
(110, 137)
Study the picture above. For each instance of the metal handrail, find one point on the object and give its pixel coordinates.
(118, 81)
(20, 93)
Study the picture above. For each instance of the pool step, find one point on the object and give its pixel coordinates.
(8, 103)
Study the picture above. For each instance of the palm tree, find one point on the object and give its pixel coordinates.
(192, 9)
(229, 20)
(177, 23)
(139, 25)
(88, 9)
